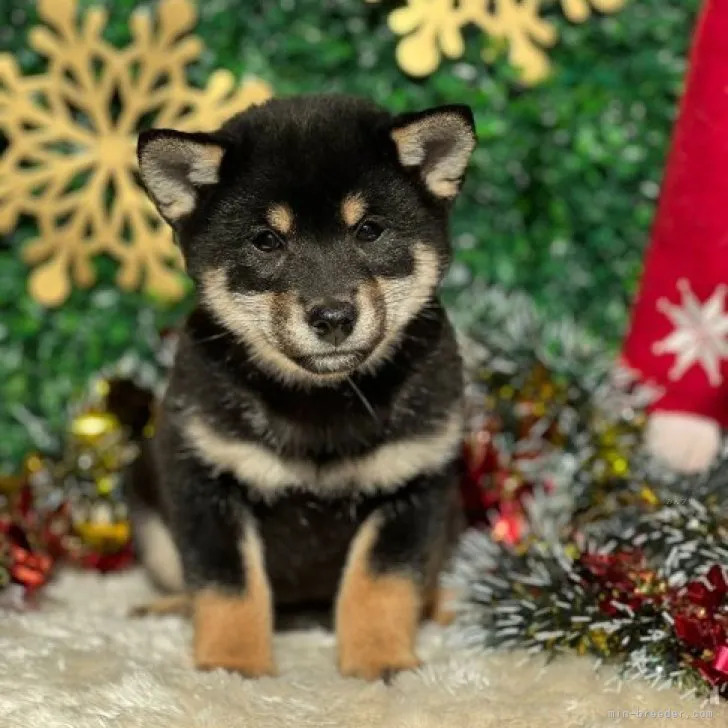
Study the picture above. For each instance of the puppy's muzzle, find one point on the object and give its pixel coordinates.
(332, 321)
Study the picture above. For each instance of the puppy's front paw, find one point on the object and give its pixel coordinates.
(233, 633)
(370, 661)
(377, 620)
(377, 615)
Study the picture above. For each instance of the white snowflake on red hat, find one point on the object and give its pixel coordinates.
(700, 335)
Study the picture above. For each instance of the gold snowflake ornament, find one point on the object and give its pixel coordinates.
(71, 162)
(433, 28)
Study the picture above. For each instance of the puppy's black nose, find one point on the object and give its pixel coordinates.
(332, 321)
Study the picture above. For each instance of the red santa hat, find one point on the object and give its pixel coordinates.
(678, 339)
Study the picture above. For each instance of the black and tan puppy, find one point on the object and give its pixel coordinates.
(308, 445)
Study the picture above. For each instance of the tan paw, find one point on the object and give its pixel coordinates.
(377, 616)
(233, 633)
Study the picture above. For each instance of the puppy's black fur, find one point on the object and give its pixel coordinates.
(317, 387)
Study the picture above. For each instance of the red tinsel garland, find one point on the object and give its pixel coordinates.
(493, 489)
(697, 611)
(24, 557)
(33, 541)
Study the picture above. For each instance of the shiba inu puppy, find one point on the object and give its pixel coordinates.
(308, 445)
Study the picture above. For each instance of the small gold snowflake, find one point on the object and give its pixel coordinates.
(432, 28)
(70, 163)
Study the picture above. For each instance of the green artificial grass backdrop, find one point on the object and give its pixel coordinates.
(558, 201)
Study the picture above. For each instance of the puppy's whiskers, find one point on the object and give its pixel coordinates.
(363, 399)
(215, 337)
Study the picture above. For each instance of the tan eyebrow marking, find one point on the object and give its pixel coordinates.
(280, 218)
(353, 208)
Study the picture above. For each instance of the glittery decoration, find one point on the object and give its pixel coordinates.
(69, 507)
(83, 486)
(549, 415)
(615, 556)
(433, 28)
(26, 562)
(72, 132)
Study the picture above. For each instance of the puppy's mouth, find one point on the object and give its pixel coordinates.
(334, 362)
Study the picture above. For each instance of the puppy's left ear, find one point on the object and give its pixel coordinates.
(175, 167)
(439, 143)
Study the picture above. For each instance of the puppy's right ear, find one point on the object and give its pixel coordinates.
(175, 166)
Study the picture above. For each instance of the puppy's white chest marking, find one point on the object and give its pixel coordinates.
(385, 468)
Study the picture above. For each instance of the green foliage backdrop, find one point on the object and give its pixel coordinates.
(558, 203)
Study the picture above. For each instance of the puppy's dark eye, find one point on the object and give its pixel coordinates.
(368, 231)
(267, 241)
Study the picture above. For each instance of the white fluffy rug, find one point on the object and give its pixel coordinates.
(79, 662)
